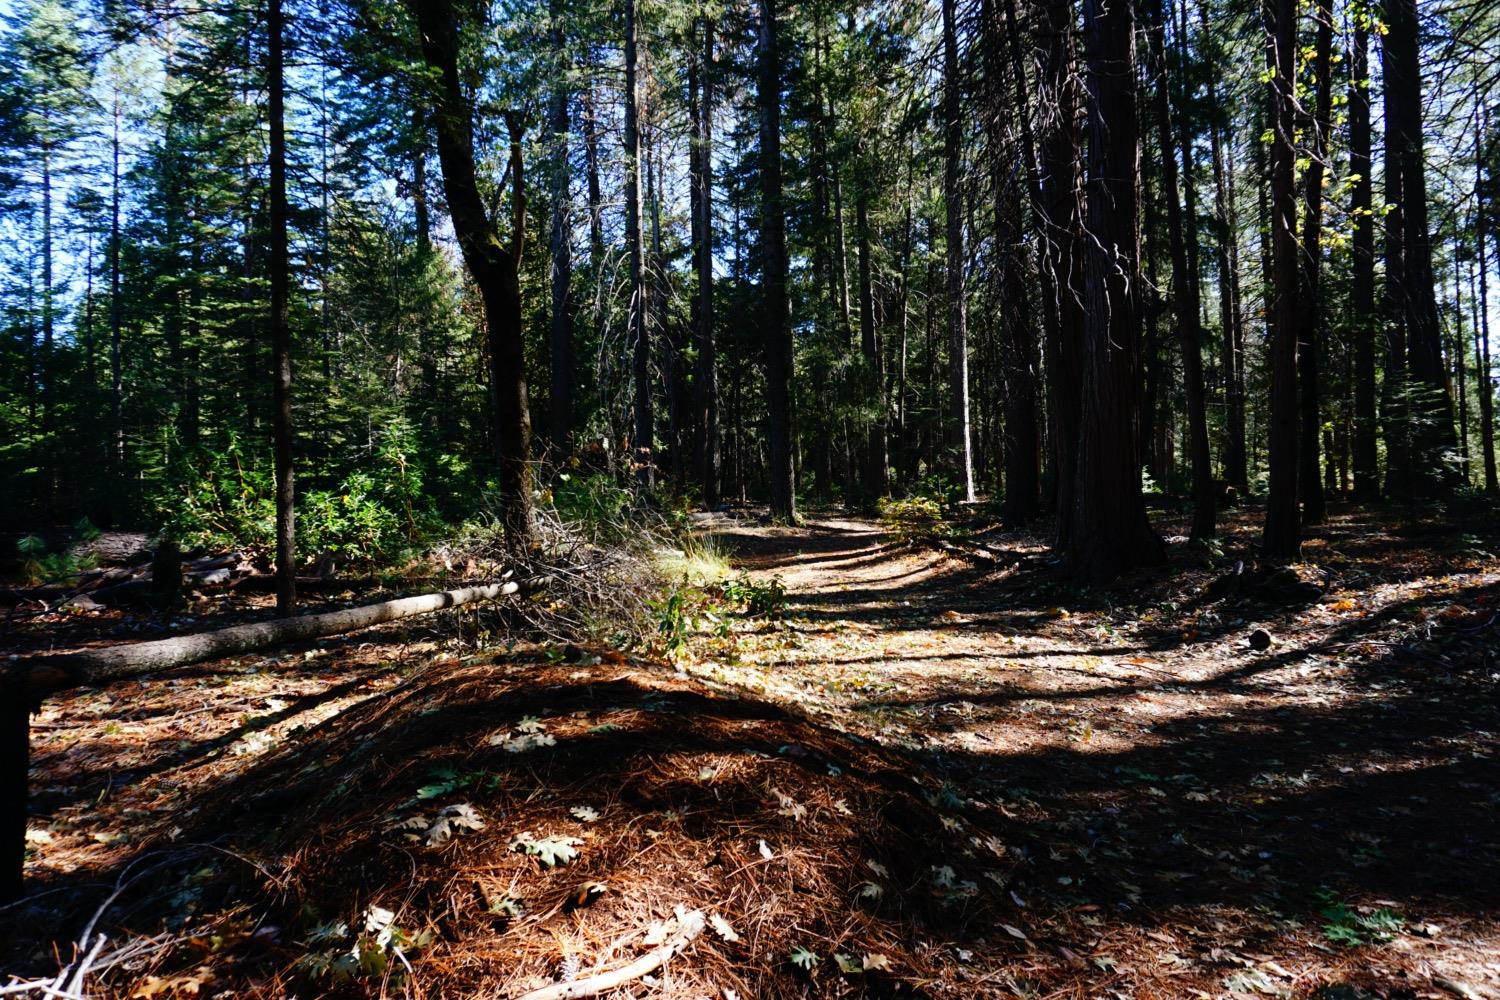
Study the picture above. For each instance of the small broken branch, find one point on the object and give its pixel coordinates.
(692, 926)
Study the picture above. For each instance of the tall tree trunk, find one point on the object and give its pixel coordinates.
(1482, 326)
(1110, 531)
(1231, 333)
(877, 459)
(1430, 402)
(1310, 308)
(1022, 434)
(494, 267)
(706, 377)
(1362, 287)
(281, 331)
(1186, 302)
(777, 331)
(562, 257)
(116, 372)
(1456, 351)
(47, 460)
(591, 178)
(1063, 249)
(639, 326)
(1395, 388)
(958, 336)
(1281, 537)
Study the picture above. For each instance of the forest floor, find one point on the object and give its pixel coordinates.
(933, 777)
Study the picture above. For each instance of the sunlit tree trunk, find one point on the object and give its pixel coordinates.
(958, 335)
(1282, 535)
(1362, 279)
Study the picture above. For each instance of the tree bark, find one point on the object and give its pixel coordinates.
(1281, 537)
(116, 374)
(1482, 328)
(639, 327)
(1310, 308)
(561, 327)
(1110, 531)
(1063, 248)
(495, 268)
(706, 377)
(1022, 434)
(777, 332)
(1186, 302)
(281, 332)
(958, 336)
(1430, 404)
(877, 458)
(1362, 281)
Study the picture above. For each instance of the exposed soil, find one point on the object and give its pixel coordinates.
(936, 776)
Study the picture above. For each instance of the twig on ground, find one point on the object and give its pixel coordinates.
(692, 926)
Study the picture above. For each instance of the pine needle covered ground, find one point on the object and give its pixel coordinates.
(920, 776)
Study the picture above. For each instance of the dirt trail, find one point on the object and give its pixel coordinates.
(1257, 823)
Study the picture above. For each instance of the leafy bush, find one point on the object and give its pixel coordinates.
(370, 515)
(914, 517)
(760, 600)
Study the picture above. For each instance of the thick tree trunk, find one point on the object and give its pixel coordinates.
(281, 332)
(639, 325)
(493, 266)
(1063, 250)
(777, 331)
(1110, 531)
(958, 335)
(561, 328)
(1362, 281)
(706, 377)
(1310, 308)
(1281, 537)
(1429, 401)
(1185, 297)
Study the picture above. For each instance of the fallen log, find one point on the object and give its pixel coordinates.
(24, 682)
(38, 676)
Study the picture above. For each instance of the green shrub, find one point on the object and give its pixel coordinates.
(370, 516)
(914, 517)
(760, 600)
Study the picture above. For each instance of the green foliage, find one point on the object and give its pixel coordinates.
(38, 566)
(677, 615)
(1347, 926)
(915, 517)
(759, 600)
(595, 505)
(371, 516)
